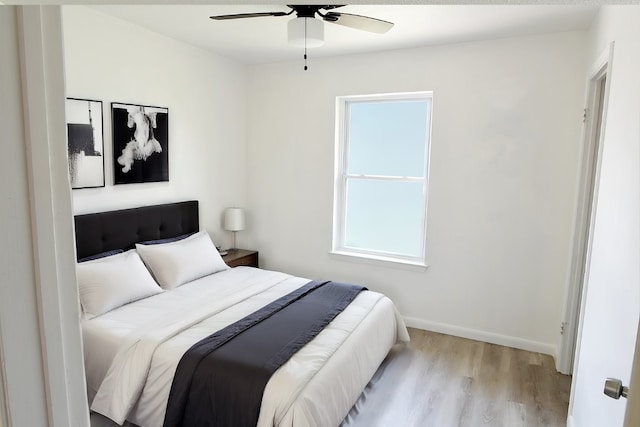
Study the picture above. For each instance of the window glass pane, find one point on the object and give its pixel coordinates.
(387, 138)
(384, 216)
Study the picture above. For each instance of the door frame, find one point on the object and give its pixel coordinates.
(4, 408)
(589, 176)
(44, 302)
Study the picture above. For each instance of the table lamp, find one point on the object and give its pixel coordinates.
(234, 221)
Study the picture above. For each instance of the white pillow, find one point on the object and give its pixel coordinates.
(176, 263)
(111, 282)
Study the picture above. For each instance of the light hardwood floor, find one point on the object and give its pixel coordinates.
(442, 381)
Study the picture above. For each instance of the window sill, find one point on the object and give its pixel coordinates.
(380, 261)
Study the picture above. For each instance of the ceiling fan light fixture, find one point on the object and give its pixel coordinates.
(307, 32)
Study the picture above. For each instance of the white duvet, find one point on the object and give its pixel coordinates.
(132, 352)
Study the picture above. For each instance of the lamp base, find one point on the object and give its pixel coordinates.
(235, 247)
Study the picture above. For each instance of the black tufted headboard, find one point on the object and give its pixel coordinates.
(122, 229)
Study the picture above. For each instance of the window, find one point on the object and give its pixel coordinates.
(381, 176)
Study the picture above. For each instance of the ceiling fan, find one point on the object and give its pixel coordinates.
(307, 30)
(325, 13)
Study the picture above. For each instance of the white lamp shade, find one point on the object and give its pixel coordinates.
(314, 32)
(234, 219)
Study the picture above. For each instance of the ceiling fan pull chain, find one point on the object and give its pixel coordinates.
(305, 45)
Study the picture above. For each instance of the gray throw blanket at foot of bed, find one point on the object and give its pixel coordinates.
(220, 380)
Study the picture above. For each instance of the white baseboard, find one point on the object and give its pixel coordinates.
(474, 334)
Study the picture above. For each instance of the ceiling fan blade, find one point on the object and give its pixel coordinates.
(249, 15)
(358, 22)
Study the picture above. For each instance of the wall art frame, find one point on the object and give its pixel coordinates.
(140, 143)
(85, 142)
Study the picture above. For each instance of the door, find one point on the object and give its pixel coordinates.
(611, 294)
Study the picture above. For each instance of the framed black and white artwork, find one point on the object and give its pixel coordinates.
(85, 143)
(140, 143)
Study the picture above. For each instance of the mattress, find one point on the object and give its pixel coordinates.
(131, 353)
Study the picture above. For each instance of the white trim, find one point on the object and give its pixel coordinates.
(21, 347)
(571, 421)
(342, 177)
(601, 62)
(42, 69)
(484, 336)
(378, 260)
(585, 210)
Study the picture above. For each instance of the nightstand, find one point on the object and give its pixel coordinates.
(241, 257)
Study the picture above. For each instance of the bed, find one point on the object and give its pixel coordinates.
(132, 351)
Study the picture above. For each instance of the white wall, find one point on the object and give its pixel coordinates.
(114, 61)
(505, 144)
(612, 298)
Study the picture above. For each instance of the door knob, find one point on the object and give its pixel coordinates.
(614, 389)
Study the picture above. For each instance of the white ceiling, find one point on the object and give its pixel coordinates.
(262, 40)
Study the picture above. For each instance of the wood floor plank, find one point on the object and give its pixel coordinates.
(442, 381)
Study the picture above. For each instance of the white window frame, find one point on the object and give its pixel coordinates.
(341, 177)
